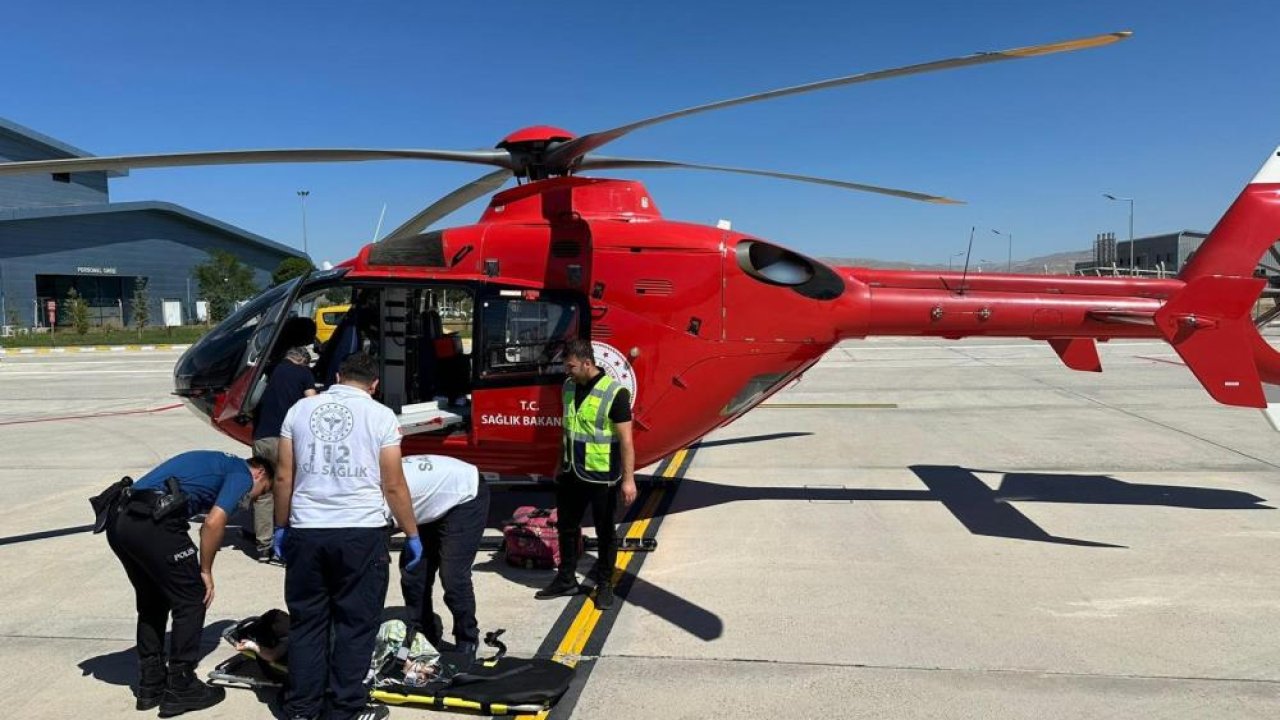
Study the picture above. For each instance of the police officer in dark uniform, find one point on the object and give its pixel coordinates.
(149, 536)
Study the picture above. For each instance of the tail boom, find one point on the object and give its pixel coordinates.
(1205, 313)
(1042, 307)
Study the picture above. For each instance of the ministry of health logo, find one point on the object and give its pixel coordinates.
(332, 422)
(616, 366)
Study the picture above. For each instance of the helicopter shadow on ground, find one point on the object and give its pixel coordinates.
(982, 510)
(45, 534)
(631, 588)
(688, 616)
(239, 533)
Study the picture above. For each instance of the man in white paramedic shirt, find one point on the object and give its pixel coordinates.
(451, 507)
(339, 461)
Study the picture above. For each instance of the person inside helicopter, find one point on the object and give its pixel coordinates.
(358, 331)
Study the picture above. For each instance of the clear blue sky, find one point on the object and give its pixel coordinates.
(1179, 117)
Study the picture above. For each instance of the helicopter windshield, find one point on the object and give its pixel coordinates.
(213, 362)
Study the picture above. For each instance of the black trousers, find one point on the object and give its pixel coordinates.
(164, 569)
(572, 497)
(335, 584)
(449, 547)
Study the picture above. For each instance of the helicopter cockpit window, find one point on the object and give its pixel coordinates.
(215, 360)
(523, 334)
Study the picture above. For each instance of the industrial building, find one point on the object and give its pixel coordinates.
(1162, 255)
(61, 231)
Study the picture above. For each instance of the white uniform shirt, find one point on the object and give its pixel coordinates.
(438, 484)
(337, 437)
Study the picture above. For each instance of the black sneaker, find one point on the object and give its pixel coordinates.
(561, 586)
(372, 712)
(604, 596)
(186, 693)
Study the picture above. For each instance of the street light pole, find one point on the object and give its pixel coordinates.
(1109, 196)
(950, 258)
(1009, 265)
(302, 196)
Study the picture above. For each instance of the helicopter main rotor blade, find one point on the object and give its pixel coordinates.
(565, 154)
(447, 204)
(240, 157)
(596, 162)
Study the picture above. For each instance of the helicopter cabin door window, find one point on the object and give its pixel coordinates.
(523, 334)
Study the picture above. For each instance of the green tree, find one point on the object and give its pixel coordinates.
(78, 309)
(290, 268)
(141, 305)
(336, 296)
(223, 281)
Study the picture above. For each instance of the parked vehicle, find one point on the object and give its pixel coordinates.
(327, 319)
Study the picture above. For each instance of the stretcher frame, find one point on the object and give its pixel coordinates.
(246, 670)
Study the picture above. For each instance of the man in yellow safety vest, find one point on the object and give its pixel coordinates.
(597, 462)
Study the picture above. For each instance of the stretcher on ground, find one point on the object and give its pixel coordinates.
(498, 685)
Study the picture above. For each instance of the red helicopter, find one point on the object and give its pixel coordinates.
(701, 323)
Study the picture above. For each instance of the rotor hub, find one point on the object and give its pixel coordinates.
(529, 146)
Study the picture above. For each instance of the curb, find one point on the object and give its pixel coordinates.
(89, 349)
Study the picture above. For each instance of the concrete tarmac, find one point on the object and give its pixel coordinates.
(917, 529)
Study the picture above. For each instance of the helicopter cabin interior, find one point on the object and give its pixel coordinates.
(435, 343)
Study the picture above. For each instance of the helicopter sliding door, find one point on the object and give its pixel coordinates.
(519, 355)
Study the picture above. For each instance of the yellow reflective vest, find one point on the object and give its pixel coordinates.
(591, 449)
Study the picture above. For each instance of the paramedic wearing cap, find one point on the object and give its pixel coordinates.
(597, 463)
(169, 577)
(339, 459)
(451, 506)
(288, 381)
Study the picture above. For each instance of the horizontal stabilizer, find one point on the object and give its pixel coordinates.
(1078, 353)
(1209, 325)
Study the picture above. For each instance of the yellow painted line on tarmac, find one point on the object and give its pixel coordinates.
(579, 632)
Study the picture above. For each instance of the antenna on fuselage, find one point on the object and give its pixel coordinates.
(378, 230)
(967, 253)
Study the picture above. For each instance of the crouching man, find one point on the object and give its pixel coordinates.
(451, 506)
(169, 577)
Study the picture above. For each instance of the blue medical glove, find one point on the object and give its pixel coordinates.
(413, 546)
(277, 542)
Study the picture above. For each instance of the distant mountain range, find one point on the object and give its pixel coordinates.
(1062, 263)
